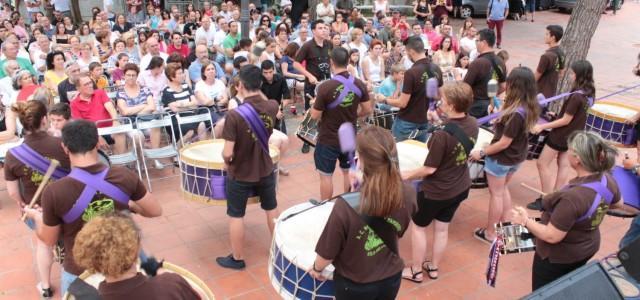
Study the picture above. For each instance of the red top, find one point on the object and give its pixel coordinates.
(93, 110)
(183, 51)
(25, 92)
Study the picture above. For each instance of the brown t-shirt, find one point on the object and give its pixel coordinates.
(448, 156)
(357, 252)
(576, 106)
(415, 84)
(563, 209)
(165, 286)
(480, 71)
(317, 58)
(60, 196)
(47, 146)
(549, 66)
(512, 126)
(347, 111)
(250, 162)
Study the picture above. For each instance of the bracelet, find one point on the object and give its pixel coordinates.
(314, 268)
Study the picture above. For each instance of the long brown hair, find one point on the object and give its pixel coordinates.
(381, 191)
(30, 114)
(521, 93)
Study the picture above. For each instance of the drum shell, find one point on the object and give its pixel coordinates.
(611, 127)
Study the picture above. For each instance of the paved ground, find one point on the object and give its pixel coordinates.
(192, 235)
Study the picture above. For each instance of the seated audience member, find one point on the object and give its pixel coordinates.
(67, 88)
(178, 97)
(109, 245)
(59, 115)
(96, 72)
(94, 105)
(25, 83)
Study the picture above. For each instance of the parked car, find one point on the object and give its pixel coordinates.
(568, 5)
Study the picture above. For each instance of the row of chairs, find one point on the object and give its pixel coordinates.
(134, 133)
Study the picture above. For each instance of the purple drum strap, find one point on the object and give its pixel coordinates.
(349, 86)
(35, 161)
(629, 185)
(601, 192)
(251, 116)
(93, 183)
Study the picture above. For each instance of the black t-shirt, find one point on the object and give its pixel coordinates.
(190, 29)
(317, 58)
(277, 89)
(66, 90)
(122, 28)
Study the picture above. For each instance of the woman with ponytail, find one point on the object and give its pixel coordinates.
(361, 239)
(572, 117)
(33, 117)
(567, 235)
(508, 148)
(444, 179)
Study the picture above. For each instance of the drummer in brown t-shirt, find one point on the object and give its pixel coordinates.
(572, 117)
(365, 256)
(445, 180)
(33, 117)
(109, 245)
(332, 114)
(249, 166)
(413, 102)
(567, 235)
(508, 147)
(551, 64)
(59, 218)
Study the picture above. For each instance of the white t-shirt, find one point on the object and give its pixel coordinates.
(218, 37)
(146, 59)
(468, 43)
(212, 91)
(209, 35)
(61, 5)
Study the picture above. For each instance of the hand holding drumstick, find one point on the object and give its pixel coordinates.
(47, 175)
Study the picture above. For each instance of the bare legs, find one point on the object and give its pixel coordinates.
(44, 260)
(419, 247)
(546, 174)
(236, 232)
(499, 204)
(326, 184)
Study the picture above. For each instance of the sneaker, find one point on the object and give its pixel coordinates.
(230, 262)
(535, 205)
(44, 293)
(305, 148)
(157, 164)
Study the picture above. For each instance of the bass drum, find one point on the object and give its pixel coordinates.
(104, 158)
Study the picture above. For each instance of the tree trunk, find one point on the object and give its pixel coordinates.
(75, 11)
(312, 9)
(577, 39)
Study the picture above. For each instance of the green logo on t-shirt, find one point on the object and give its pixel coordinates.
(348, 99)
(599, 215)
(97, 208)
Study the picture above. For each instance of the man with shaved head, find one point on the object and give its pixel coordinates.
(153, 49)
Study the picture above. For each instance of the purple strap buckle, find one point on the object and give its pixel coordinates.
(601, 192)
(35, 161)
(251, 116)
(349, 86)
(93, 183)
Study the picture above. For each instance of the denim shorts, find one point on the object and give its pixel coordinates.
(325, 158)
(402, 130)
(496, 169)
(66, 279)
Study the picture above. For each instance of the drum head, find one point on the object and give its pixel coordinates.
(411, 154)
(208, 154)
(612, 111)
(484, 138)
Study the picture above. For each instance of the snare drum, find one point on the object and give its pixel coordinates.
(609, 120)
(202, 174)
(293, 253)
(196, 283)
(383, 117)
(476, 168)
(515, 238)
(308, 130)
(537, 142)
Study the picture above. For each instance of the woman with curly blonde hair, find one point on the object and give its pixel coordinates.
(110, 244)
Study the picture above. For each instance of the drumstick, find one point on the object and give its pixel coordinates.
(533, 189)
(47, 175)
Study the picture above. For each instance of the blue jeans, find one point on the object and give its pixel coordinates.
(632, 234)
(65, 280)
(402, 130)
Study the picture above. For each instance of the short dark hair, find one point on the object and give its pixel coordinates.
(267, 65)
(131, 67)
(80, 136)
(155, 62)
(61, 109)
(204, 67)
(315, 23)
(239, 60)
(51, 56)
(251, 77)
(488, 36)
(340, 57)
(415, 43)
(170, 71)
(94, 65)
(555, 31)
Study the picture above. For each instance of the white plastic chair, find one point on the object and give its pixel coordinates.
(125, 127)
(153, 121)
(197, 116)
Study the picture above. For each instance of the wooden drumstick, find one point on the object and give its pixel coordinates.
(52, 167)
(537, 191)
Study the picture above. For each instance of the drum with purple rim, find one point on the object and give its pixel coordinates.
(609, 120)
(537, 142)
(202, 174)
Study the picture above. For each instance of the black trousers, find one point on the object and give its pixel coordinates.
(378, 290)
(545, 271)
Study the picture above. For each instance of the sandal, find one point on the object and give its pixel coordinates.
(480, 234)
(427, 267)
(413, 277)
